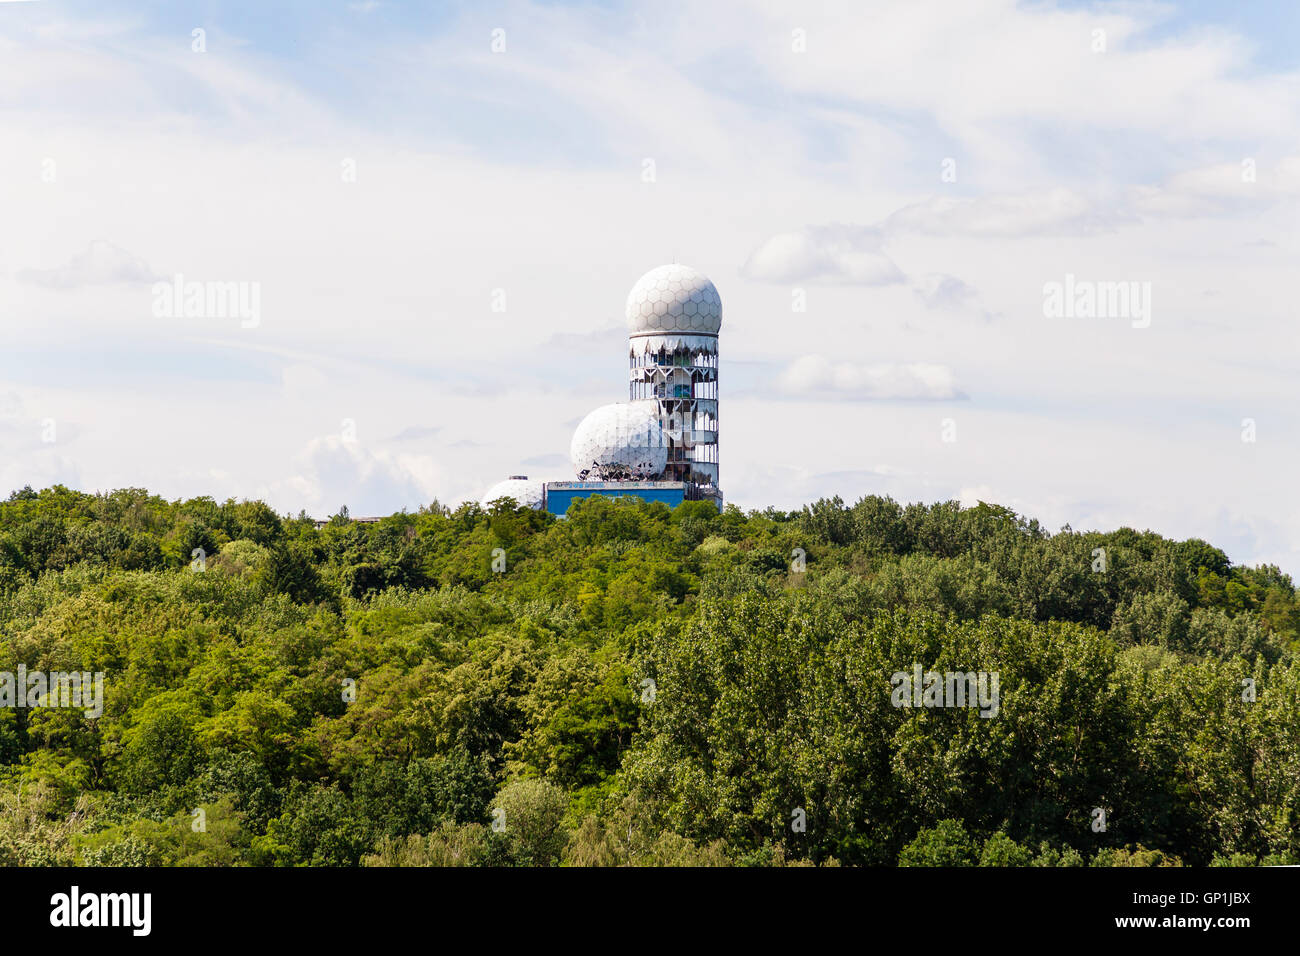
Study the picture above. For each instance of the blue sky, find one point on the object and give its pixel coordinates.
(917, 173)
(1270, 28)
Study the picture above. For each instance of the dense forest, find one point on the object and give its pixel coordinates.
(637, 685)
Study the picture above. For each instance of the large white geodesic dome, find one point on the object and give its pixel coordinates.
(674, 298)
(527, 492)
(621, 442)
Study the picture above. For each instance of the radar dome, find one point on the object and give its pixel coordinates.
(674, 298)
(526, 492)
(622, 442)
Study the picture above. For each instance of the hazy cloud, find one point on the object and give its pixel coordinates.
(942, 292)
(1059, 212)
(835, 253)
(333, 472)
(817, 377)
(101, 263)
(415, 433)
(547, 461)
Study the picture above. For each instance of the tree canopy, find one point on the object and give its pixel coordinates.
(640, 685)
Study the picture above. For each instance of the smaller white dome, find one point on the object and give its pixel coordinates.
(527, 492)
(621, 442)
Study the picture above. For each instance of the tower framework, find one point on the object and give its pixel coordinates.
(674, 314)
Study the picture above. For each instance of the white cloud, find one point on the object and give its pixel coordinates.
(836, 253)
(1058, 212)
(1002, 79)
(1225, 189)
(948, 293)
(100, 263)
(817, 377)
(34, 446)
(334, 472)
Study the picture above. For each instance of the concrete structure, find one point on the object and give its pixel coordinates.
(662, 444)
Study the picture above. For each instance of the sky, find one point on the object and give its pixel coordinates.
(434, 213)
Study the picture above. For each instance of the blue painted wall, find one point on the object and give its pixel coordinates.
(561, 494)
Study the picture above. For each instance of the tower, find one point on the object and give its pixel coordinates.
(673, 317)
